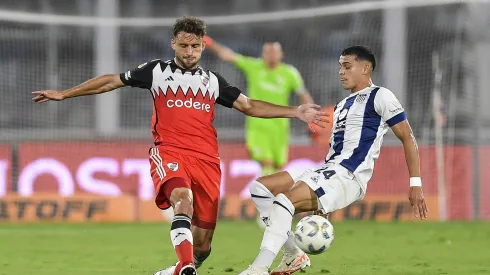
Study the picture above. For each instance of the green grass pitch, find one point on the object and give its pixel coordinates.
(359, 248)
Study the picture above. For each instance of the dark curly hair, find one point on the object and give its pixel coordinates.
(189, 24)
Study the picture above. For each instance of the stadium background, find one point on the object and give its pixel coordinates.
(86, 158)
(75, 192)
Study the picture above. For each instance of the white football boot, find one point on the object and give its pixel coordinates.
(253, 271)
(291, 263)
(167, 271)
(186, 270)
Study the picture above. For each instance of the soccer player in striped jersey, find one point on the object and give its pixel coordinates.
(359, 124)
(185, 164)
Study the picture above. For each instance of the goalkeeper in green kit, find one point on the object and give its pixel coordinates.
(270, 80)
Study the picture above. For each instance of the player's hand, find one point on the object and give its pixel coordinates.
(43, 96)
(416, 197)
(310, 113)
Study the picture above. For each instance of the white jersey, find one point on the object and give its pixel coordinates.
(360, 122)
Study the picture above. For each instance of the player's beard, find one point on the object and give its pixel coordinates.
(186, 65)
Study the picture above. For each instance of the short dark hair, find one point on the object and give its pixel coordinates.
(273, 41)
(361, 53)
(189, 24)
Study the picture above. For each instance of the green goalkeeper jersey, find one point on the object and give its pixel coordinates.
(274, 86)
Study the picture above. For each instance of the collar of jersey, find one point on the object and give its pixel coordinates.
(360, 91)
(174, 66)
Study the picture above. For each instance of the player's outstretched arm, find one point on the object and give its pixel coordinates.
(97, 85)
(308, 113)
(223, 52)
(416, 196)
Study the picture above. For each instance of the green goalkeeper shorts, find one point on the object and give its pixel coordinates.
(267, 146)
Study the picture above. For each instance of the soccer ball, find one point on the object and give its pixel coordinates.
(314, 234)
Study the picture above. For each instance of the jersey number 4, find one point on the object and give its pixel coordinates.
(326, 173)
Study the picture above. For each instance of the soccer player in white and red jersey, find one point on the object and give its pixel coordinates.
(185, 164)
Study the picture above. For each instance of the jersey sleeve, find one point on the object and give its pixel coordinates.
(246, 64)
(388, 107)
(297, 84)
(141, 76)
(227, 93)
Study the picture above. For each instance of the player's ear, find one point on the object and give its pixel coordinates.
(172, 43)
(366, 68)
(371, 69)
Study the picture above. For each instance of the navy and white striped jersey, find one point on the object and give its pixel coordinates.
(360, 122)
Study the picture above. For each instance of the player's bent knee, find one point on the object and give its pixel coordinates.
(182, 200)
(174, 183)
(181, 194)
(176, 188)
(276, 183)
(258, 189)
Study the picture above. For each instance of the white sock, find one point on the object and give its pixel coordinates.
(290, 246)
(264, 199)
(264, 260)
(277, 231)
(181, 229)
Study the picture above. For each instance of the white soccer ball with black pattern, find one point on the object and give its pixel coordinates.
(314, 234)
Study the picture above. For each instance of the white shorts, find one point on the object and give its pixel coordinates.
(334, 185)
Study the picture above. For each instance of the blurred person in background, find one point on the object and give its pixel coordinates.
(269, 79)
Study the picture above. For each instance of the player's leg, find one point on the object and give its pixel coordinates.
(263, 192)
(202, 244)
(300, 198)
(328, 188)
(265, 188)
(280, 151)
(181, 199)
(173, 188)
(206, 177)
(268, 186)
